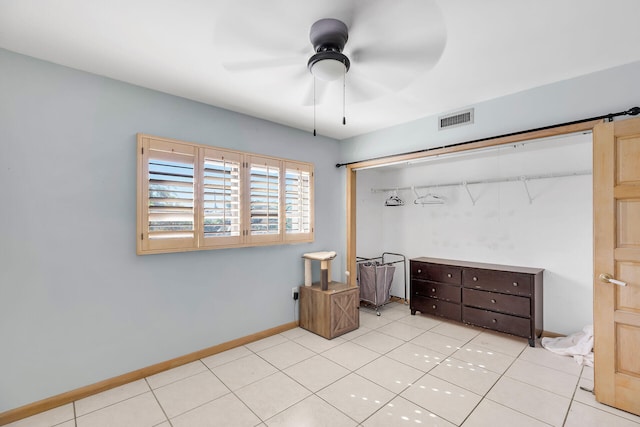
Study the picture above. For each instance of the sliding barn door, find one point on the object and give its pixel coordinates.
(616, 179)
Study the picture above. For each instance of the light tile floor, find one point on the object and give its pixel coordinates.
(395, 370)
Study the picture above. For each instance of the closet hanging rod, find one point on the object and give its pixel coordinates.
(486, 181)
(633, 111)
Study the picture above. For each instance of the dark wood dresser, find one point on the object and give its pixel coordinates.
(498, 297)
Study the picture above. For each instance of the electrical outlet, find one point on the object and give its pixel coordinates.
(294, 293)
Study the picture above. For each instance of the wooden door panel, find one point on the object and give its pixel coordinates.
(628, 338)
(628, 152)
(628, 223)
(616, 198)
(628, 297)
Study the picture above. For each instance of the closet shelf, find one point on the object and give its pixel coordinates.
(522, 178)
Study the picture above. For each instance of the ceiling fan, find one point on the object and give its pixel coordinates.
(328, 37)
(383, 45)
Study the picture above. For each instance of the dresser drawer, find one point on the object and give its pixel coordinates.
(436, 307)
(497, 281)
(511, 304)
(498, 322)
(436, 290)
(436, 273)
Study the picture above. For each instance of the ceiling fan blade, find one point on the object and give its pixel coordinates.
(397, 66)
(265, 27)
(392, 24)
(259, 64)
(421, 55)
(320, 95)
(360, 88)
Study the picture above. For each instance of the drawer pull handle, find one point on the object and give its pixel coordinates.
(449, 275)
(433, 290)
(515, 283)
(495, 321)
(433, 306)
(475, 279)
(419, 271)
(493, 301)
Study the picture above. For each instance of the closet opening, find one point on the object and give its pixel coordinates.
(527, 202)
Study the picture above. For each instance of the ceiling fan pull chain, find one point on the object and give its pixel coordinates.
(344, 91)
(314, 105)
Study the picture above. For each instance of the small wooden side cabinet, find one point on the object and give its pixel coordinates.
(329, 313)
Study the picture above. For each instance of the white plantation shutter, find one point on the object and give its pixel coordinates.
(194, 197)
(298, 201)
(168, 219)
(264, 199)
(221, 183)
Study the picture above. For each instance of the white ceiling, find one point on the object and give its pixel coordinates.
(424, 57)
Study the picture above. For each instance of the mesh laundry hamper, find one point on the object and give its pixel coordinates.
(375, 282)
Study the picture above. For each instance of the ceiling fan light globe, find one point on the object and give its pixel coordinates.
(328, 69)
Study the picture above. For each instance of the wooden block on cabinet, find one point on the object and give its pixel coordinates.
(329, 313)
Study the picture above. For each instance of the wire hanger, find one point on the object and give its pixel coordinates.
(394, 200)
(427, 199)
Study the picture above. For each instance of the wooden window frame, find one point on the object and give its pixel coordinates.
(233, 184)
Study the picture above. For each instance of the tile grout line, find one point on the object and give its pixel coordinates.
(328, 385)
(178, 380)
(158, 402)
(395, 395)
(233, 391)
(424, 373)
(111, 404)
(456, 385)
(484, 396)
(302, 385)
(591, 406)
(573, 396)
(504, 375)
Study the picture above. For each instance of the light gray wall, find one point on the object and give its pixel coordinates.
(552, 232)
(77, 305)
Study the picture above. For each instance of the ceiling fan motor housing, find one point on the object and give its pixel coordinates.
(328, 34)
(328, 37)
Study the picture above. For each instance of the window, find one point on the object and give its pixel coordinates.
(195, 197)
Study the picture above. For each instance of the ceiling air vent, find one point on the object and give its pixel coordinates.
(459, 118)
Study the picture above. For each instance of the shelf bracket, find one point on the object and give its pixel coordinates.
(466, 187)
(526, 188)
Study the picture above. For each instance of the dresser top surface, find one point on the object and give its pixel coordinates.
(481, 265)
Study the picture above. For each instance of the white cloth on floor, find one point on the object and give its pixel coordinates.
(579, 345)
